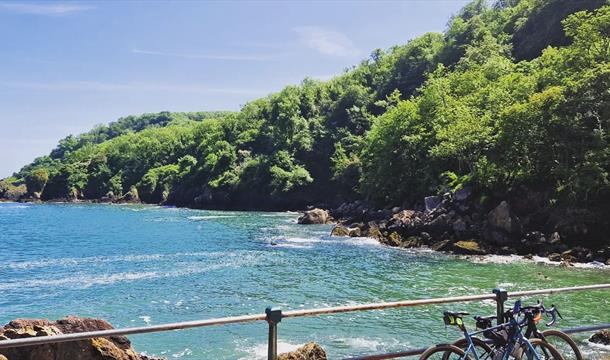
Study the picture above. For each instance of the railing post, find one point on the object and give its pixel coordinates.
(274, 316)
(501, 297)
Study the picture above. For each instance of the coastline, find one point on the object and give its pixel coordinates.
(341, 224)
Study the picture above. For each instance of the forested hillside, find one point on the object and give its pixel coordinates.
(513, 98)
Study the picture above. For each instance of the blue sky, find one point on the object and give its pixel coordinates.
(66, 66)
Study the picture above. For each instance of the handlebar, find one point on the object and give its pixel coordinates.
(530, 310)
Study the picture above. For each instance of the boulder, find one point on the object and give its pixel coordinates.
(462, 194)
(375, 232)
(501, 217)
(394, 239)
(403, 217)
(309, 351)
(459, 225)
(502, 226)
(601, 337)
(432, 202)
(132, 195)
(340, 230)
(443, 245)
(314, 216)
(355, 232)
(468, 247)
(112, 348)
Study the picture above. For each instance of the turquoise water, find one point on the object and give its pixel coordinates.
(141, 265)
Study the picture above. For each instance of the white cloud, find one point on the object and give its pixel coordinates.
(327, 42)
(56, 9)
(202, 56)
(98, 86)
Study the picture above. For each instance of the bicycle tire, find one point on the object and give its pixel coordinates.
(548, 349)
(486, 350)
(576, 354)
(445, 350)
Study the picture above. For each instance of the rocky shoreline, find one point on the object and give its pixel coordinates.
(456, 223)
(111, 348)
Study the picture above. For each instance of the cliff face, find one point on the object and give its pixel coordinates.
(112, 348)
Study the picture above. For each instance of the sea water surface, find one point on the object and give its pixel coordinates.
(144, 265)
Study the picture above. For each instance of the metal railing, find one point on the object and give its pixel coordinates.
(274, 316)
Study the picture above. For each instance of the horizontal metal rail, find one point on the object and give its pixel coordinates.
(288, 314)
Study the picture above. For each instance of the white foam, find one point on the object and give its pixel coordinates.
(292, 246)
(71, 261)
(361, 241)
(493, 259)
(359, 344)
(210, 217)
(510, 259)
(595, 348)
(259, 351)
(363, 343)
(302, 240)
(86, 281)
(182, 353)
(146, 319)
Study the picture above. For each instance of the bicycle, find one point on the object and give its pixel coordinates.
(560, 340)
(509, 341)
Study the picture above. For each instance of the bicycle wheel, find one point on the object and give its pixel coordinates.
(542, 350)
(484, 351)
(563, 343)
(444, 352)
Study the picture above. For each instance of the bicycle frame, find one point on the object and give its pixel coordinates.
(516, 338)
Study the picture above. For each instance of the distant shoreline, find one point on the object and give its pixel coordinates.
(341, 222)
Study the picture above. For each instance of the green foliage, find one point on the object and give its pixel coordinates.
(440, 112)
(36, 180)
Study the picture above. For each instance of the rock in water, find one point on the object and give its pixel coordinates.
(601, 337)
(315, 216)
(340, 230)
(309, 351)
(468, 247)
(112, 348)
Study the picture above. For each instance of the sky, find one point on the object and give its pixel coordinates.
(67, 66)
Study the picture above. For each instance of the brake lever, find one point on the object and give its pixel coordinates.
(557, 311)
(553, 312)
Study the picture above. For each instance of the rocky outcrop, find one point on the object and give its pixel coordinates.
(309, 351)
(463, 222)
(112, 348)
(601, 337)
(314, 216)
(12, 192)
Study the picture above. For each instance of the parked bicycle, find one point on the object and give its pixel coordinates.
(509, 342)
(532, 316)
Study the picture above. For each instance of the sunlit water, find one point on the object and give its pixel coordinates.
(145, 265)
